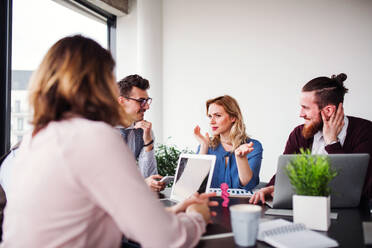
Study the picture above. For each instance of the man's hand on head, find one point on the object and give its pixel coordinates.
(333, 126)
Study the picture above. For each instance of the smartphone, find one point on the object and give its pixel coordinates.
(167, 179)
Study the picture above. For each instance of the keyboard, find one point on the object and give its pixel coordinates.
(233, 192)
(168, 202)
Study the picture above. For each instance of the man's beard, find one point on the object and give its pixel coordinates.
(312, 128)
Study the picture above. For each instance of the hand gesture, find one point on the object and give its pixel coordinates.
(203, 140)
(262, 194)
(146, 127)
(154, 184)
(244, 150)
(332, 127)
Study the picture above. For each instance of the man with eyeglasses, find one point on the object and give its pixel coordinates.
(138, 135)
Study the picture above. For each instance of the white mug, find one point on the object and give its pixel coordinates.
(244, 223)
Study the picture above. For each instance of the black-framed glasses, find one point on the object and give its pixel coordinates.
(141, 101)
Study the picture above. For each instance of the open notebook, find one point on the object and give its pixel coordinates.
(284, 234)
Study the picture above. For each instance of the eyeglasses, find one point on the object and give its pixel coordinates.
(141, 101)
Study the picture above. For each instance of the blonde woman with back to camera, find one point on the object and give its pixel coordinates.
(78, 185)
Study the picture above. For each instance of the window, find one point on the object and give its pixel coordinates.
(20, 124)
(36, 26)
(17, 107)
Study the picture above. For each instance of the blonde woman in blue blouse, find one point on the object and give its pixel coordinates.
(238, 157)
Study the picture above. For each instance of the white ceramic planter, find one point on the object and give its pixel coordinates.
(313, 211)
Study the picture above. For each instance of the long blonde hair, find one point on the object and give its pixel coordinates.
(237, 135)
(75, 77)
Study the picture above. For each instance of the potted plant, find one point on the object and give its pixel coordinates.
(310, 176)
(167, 158)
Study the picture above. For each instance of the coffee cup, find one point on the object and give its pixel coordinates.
(244, 222)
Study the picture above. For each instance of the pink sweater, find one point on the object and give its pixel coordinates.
(78, 186)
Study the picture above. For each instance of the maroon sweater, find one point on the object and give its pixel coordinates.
(358, 140)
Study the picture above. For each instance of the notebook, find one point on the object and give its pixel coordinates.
(284, 234)
(192, 170)
(346, 187)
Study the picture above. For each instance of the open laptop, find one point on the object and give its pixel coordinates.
(346, 187)
(191, 173)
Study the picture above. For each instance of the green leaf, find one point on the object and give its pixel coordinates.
(167, 157)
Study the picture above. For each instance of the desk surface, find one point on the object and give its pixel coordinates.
(347, 229)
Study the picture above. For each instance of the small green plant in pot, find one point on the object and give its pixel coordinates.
(310, 176)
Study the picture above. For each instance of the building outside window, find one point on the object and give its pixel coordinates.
(20, 124)
(17, 107)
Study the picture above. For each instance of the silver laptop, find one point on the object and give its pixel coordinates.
(346, 187)
(191, 173)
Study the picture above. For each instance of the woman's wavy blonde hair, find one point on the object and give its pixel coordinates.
(238, 135)
(75, 78)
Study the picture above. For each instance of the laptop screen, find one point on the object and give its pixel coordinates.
(346, 187)
(192, 169)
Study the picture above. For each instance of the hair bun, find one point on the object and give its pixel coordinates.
(340, 78)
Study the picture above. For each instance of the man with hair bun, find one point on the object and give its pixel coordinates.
(326, 129)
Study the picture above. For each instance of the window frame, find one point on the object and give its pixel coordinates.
(6, 12)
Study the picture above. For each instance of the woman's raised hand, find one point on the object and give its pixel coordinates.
(203, 140)
(244, 149)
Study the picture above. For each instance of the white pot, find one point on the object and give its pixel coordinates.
(313, 211)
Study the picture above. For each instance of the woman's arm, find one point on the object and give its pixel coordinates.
(107, 173)
(244, 170)
(203, 140)
(254, 161)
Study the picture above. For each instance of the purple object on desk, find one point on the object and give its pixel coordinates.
(224, 194)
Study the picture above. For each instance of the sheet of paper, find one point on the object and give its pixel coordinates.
(217, 236)
(367, 230)
(289, 212)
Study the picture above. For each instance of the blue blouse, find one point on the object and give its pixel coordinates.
(229, 174)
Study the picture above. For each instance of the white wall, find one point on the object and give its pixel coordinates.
(139, 51)
(261, 53)
(126, 43)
